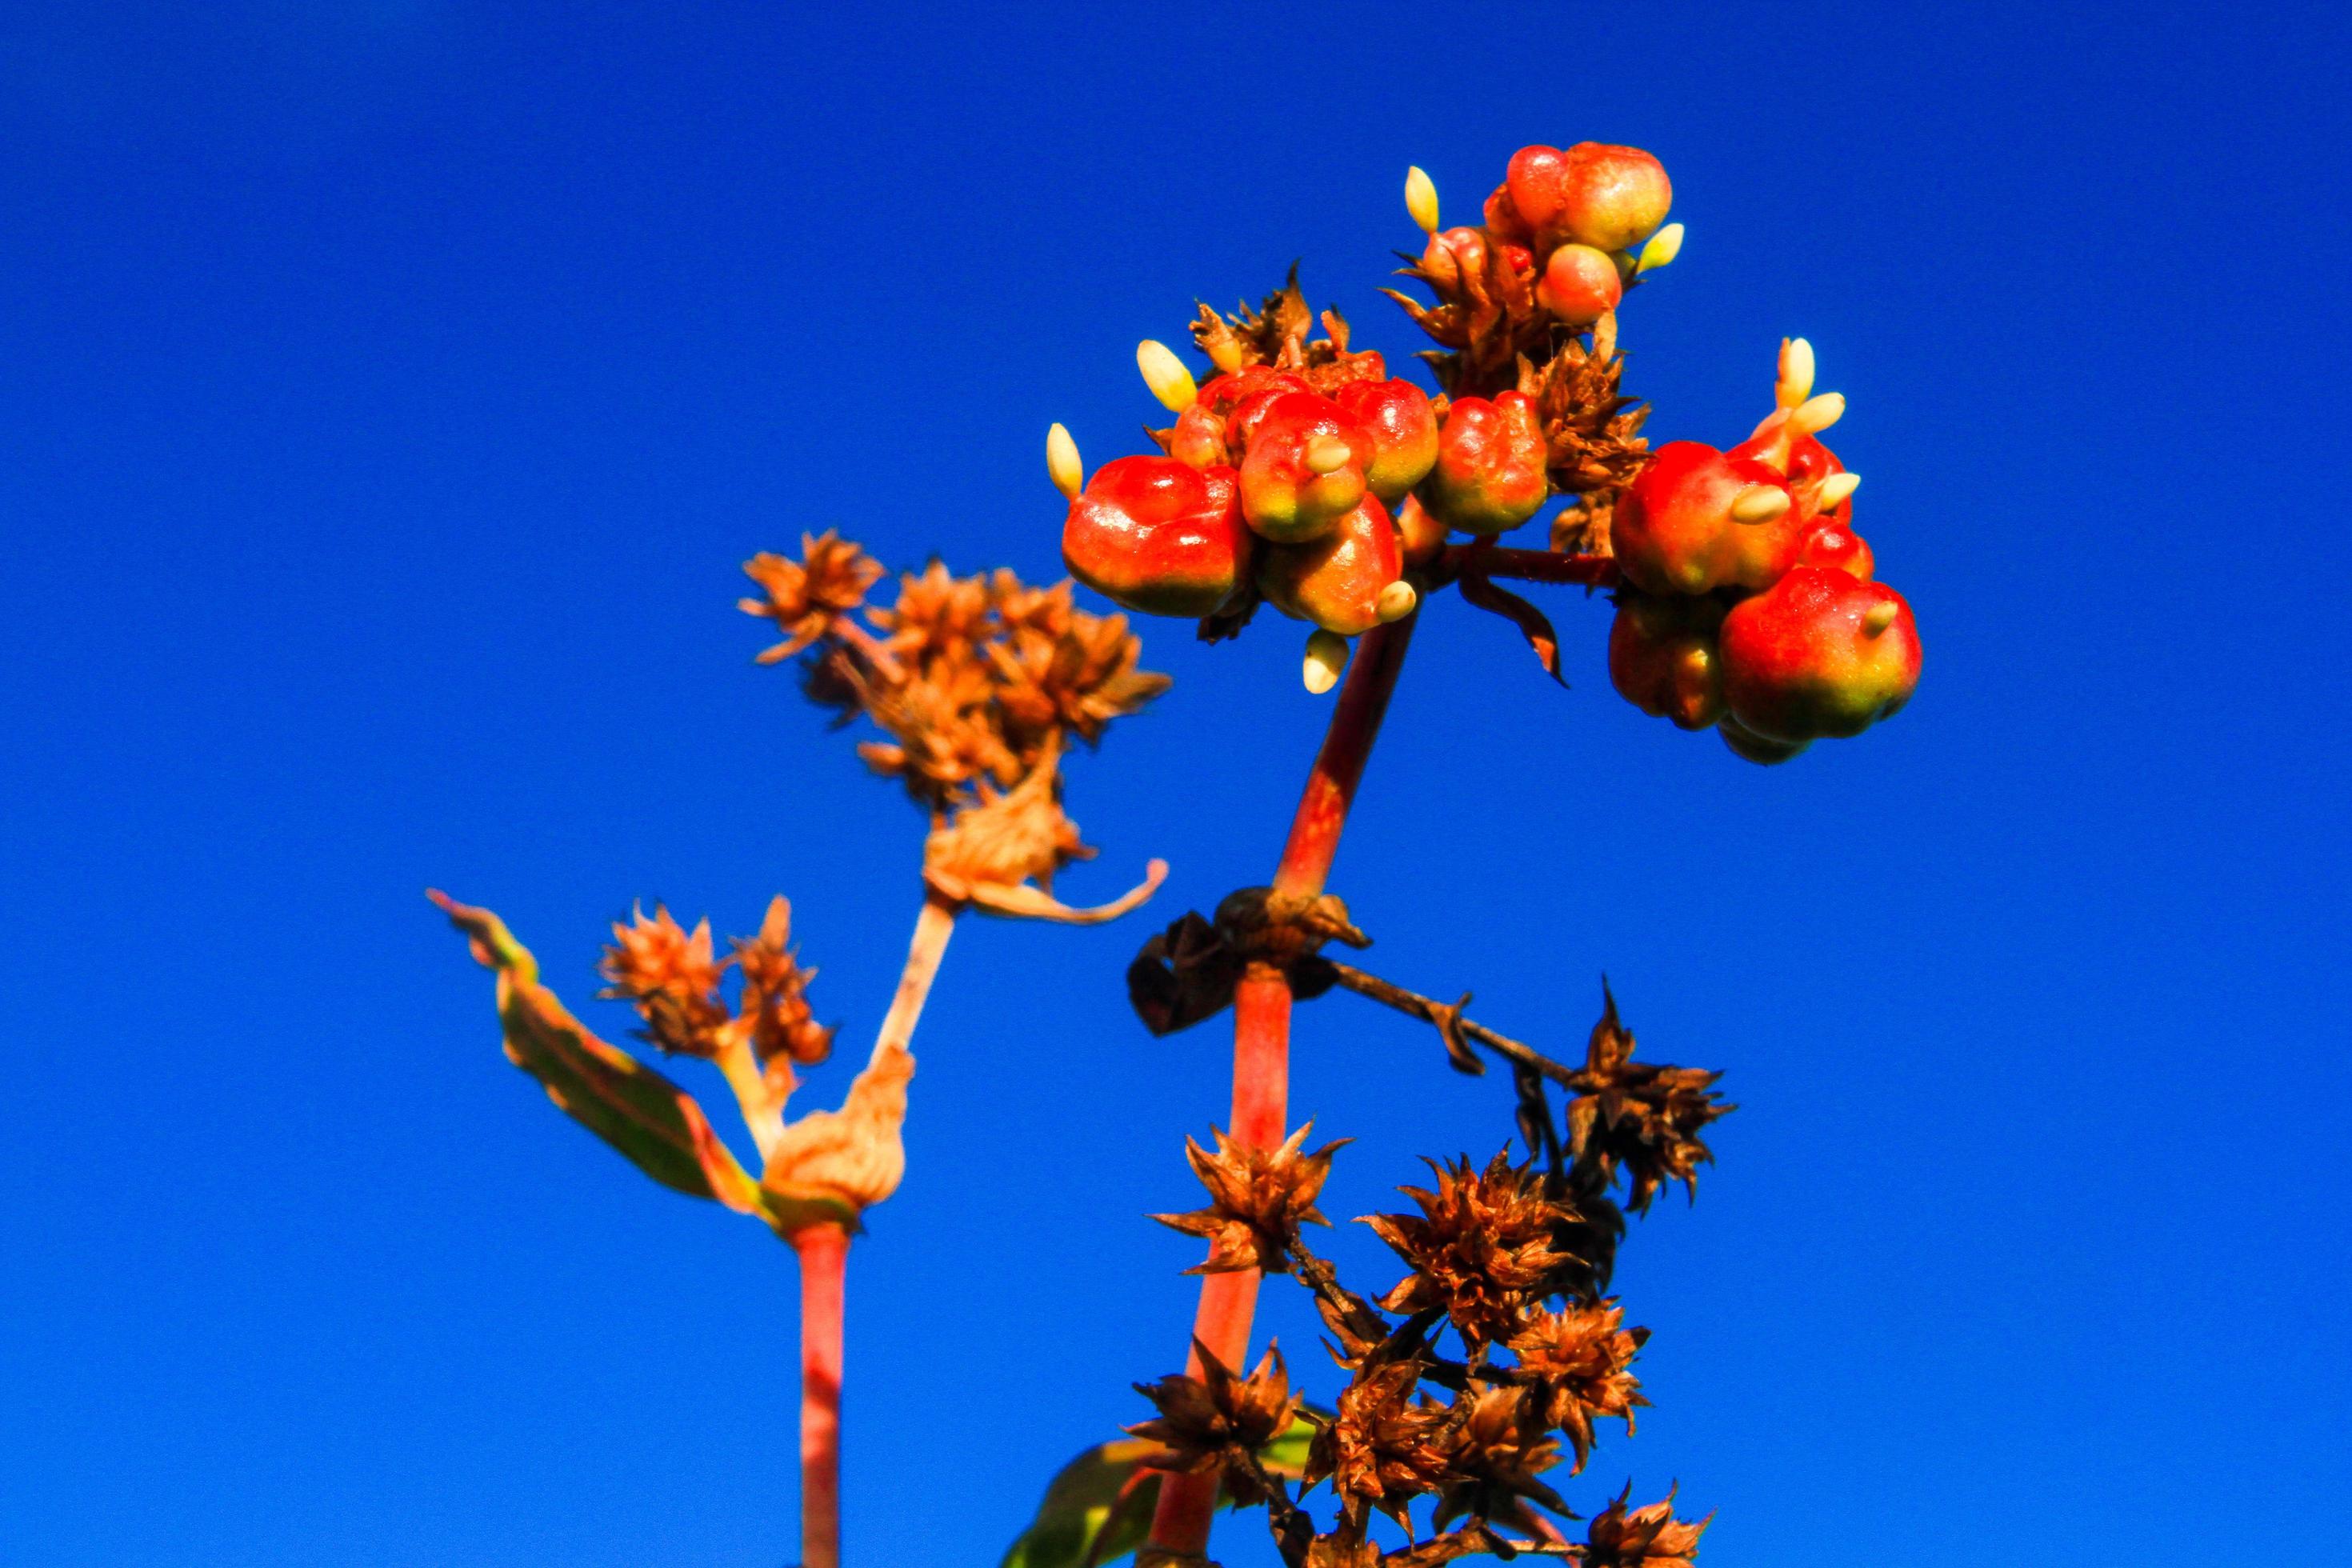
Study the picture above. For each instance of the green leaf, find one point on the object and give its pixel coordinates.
(659, 1126)
(1099, 1508)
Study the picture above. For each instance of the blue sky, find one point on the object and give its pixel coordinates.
(389, 393)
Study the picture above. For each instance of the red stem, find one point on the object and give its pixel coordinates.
(824, 1255)
(1262, 1034)
(1533, 565)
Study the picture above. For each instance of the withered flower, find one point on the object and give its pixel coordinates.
(1001, 854)
(1384, 1445)
(672, 977)
(1060, 670)
(1257, 1200)
(775, 993)
(1649, 1537)
(1481, 1247)
(1499, 1447)
(1212, 1423)
(806, 597)
(1643, 1119)
(936, 613)
(1591, 430)
(855, 1156)
(1574, 1363)
(1332, 1552)
(943, 735)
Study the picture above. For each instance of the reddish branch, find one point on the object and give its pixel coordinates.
(1262, 1032)
(825, 1254)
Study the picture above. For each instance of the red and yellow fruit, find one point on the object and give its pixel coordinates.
(1662, 658)
(1159, 536)
(1592, 194)
(1489, 474)
(1403, 428)
(1819, 652)
(1304, 467)
(1336, 582)
(1580, 285)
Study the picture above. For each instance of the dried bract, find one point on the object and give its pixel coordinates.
(1649, 1537)
(1385, 1446)
(672, 977)
(774, 1003)
(1481, 1247)
(1258, 1199)
(1641, 1119)
(1574, 1365)
(1214, 1421)
(1499, 1448)
(805, 597)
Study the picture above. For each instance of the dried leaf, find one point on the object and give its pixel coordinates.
(1532, 623)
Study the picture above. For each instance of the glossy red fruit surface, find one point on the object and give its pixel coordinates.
(1336, 581)
(1159, 536)
(1818, 654)
(1580, 285)
(1611, 197)
(1830, 543)
(1199, 440)
(1489, 474)
(1662, 658)
(1675, 532)
(1532, 184)
(1291, 490)
(1404, 428)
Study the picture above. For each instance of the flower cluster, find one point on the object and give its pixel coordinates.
(1749, 603)
(673, 978)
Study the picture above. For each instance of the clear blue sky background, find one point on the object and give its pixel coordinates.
(389, 392)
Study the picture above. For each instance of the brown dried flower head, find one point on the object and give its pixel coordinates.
(1480, 1248)
(774, 1003)
(1499, 1449)
(1000, 854)
(672, 976)
(1214, 1421)
(1574, 1362)
(1591, 429)
(1641, 1119)
(1386, 1444)
(1649, 1537)
(805, 597)
(1257, 1200)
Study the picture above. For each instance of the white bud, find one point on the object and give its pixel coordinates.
(1327, 454)
(1664, 246)
(1420, 198)
(1327, 656)
(1061, 461)
(1166, 375)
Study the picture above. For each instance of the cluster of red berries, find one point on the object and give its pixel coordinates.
(1304, 476)
(1749, 602)
(1267, 482)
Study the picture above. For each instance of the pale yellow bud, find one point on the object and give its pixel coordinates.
(1664, 246)
(1836, 488)
(1759, 503)
(1816, 414)
(1878, 618)
(1396, 601)
(1420, 199)
(1327, 656)
(1796, 382)
(1327, 454)
(1061, 461)
(1166, 375)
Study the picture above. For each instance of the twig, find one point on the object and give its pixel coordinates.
(1429, 1010)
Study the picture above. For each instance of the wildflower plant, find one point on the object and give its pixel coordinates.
(1473, 1385)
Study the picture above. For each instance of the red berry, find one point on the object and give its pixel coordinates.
(1696, 520)
(1156, 535)
(1420, 535)
(1451, 253)
(1611, 197)
(1199, 439)
(1532, 185)
(1404, 428)
(1336, 581)
(1502, 219)
(1490, 464)
(1304, 467)
(1223, 392)
(1662, 658)
(1580, 285)
(1819, 653)
(1830, 543)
